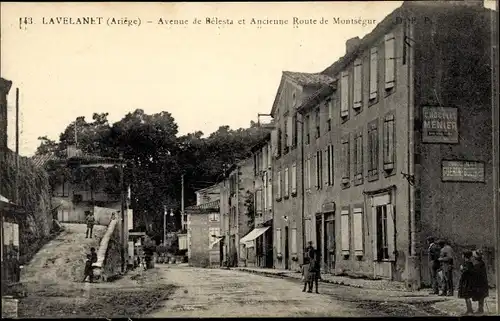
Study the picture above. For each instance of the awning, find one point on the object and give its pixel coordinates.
(215, 242)
(255, 233)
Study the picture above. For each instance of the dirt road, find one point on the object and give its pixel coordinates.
(223, 293)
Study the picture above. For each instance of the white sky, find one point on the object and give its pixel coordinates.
(205, 75)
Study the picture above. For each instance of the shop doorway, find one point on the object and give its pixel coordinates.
(329, 248)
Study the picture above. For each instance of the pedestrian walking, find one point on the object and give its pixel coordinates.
(315, 267)
(446, 259)
(88, 272)
(481, 288)
(466, 284)
(434, 264)
(306, 275)
(90, 225)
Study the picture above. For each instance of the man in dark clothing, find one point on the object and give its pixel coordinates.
(88, 269)
(314, 269)
(309, 251)
(90, 225)
(446, 259)
(434, 264)
(93, 255)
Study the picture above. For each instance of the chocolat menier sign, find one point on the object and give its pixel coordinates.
(440, 125)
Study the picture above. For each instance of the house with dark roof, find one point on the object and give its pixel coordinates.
(389, 147)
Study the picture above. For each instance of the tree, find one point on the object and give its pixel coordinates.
(47, 146)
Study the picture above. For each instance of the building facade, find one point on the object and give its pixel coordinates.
(393, 147)
(289, 228)
(236, 189)
(259, 241)
(203, 233)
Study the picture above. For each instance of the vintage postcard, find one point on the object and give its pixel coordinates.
(249, 159)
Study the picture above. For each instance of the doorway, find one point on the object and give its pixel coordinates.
(319, 235)
(287, 252)
(329, 247)
(269, 248)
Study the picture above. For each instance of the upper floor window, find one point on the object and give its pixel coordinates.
(307, 129)
(294, 179)
(389, 143)
(330, 115)
(330, 163)
(317, 121)
(286, 183)
(319, 169)
(372, 150)
(344, 95)
(294, 130)
(287, 136)
(358, 84)
(358, 158)
(373, 73)
(258, 202)
(390, 61)
(278, 185)
(346, 160)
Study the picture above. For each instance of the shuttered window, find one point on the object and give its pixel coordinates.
(358, 84)
(345, 160)
(317, 123)
(319, 169)
(258, 202)
(345, 232)
(357, 220)
(294, 179)
(358, 156)
(285, 183)
(389, 142)
(330, 114)
(269, 193)
(278, 241)
(390, 61)
(330, 165)
(373, 73)
(289, 131)
(274, 142)
(307, 130)
(293, 238)
(373, 149)
(344, 94)
(278, 185)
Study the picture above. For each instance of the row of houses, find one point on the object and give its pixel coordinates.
(385, 147)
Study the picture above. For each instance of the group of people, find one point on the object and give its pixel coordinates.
(311, 269)
(473, 284)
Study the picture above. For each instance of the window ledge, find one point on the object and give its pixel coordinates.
(278, 199)
(373, 101)
(294, 194)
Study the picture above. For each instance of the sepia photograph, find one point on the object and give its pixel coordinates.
(249, 159)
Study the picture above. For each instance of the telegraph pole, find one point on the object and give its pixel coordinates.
(124, 242)
(16, 197)
(496, 142)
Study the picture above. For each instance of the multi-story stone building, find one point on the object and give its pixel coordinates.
(259, 242)
(396, 148)
(289, 231)
(236, 188)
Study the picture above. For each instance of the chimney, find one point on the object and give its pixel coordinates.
(352, 44)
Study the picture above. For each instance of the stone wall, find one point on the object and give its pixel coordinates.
(109, 254)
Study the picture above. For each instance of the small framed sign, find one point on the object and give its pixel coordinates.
(440, 125)
(462, 171)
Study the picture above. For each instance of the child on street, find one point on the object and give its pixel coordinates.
(306, 275)
(88, 269)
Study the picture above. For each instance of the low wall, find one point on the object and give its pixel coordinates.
(109, 254)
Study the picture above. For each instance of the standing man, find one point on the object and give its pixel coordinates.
(446, 259)
(434, 264)
(309, 251)
(90, 225)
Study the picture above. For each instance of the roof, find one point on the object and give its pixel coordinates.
(211, 187)
(314, 80)
(317, 97)
(10, 207)
(205, 208)
(41, 160)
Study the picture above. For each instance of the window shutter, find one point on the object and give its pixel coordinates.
(269, 155)
(344, 94)
(289, 131)
(286, 183)
(269, 193)
(359, 155)
(326, 172)
(375, 148)
(258, 205)
(389, 143)
(332, 165)
(391, 235)
(357, 80)
(308, 169)
(390, 61)
(294, 178)
(264, 158)
(358, 231)
(278, 241)
(293, 238)
(278, 185)
(373, 73)
(315, 179)
(330, 109)
(344, 221)
(374, 233)
(274, 142)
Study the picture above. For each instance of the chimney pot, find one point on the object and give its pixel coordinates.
(352, 44)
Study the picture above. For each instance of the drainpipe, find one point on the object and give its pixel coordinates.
(302, 185)
(411, 170)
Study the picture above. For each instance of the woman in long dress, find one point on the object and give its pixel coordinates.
(481, 288)
(466, 283)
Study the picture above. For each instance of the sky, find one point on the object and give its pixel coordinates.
(206, 75)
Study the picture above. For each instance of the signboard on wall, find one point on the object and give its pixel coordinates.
(462, 171)
(440, 125)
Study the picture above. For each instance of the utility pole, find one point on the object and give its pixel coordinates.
(182, 201)
(495, 141)
(16, 195)
(164, 225)
(124, 242)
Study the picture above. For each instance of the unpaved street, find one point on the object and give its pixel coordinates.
(229, 293)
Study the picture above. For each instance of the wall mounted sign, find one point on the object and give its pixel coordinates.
(328, 207)
(440, 125)
(462, 171)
